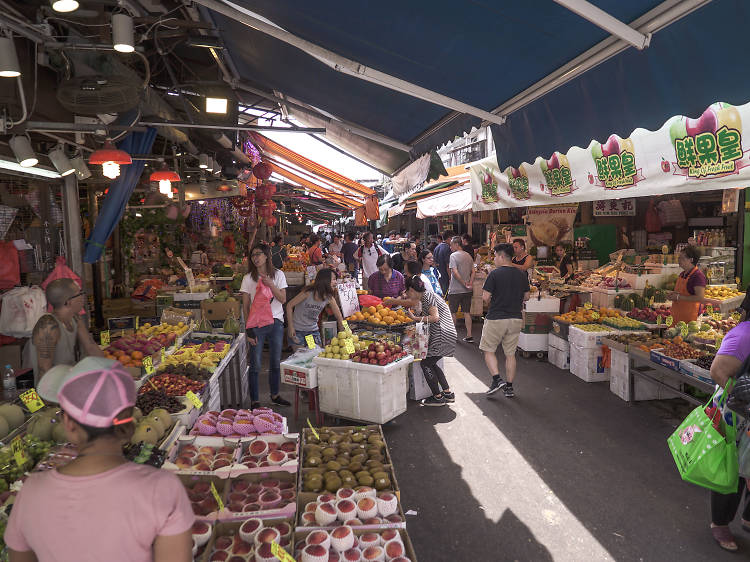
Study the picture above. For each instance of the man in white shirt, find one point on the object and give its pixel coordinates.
(368, 255)
(461, 285)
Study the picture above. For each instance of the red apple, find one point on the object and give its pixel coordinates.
(612, 146)
(394, 549)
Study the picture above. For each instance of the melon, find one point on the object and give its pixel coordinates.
(4, 428)
(13, 414)
(164, 417)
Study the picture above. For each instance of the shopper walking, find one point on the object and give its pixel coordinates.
(461, 284)
(430, 274)
(278, 253)
(505, 289)
(408, 253)
(386, 281)
(314, 252)
(441, 342)
(348, 251)
(263, 296)
(728, 363)
(367, 256)
(303, 311)
(99, 506)
(442, 255)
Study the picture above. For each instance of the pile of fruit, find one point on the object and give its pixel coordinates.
(353, 507)
(379, 353)
(705, 361)
(679, 349)
(240, 423)
(153, 427)
(192, 457)
(166, 329)
(650, 315)
(342, 544)
(268, 494)
(151, 399)
(722, 292)
(260, 453)
(130, 350)
(380, 315)
(10, 471)
(171, 385)
(593, 327)
(722, 326)
(206, 355)
(336, 349)
(188, 370)
(144, 453)
(252, 541)
(622, 323)
(630, 302)
(579, 316)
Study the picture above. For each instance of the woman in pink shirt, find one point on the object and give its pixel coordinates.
(100, 506)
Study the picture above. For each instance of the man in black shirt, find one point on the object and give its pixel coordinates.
(505, 289)
(409, 253)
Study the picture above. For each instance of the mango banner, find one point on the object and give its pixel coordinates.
(684, 155)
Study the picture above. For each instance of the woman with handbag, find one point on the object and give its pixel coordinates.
(442, 340)
(263, 296)
(730, 362)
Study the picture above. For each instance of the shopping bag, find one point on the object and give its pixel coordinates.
(260, 310)
(420, 341)
(703, 455)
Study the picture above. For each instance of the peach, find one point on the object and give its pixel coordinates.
(219, 556)
(273, 446)
(373, 554)
(389, 534)
(345, 509)
(325, 514)
(319, 537)
(289, 447)
(308, 519)
(241, 547)
(326, 498)
(344, 493)
(394, 548)
(267, 534)
(366, 508)
(258, 447)
(202, 487)
(223, 543)
(240, 485)
(219, 464)
(314, 553)
(283, 528)
(342, 538)
(207, 450)
(369, 539)
(276, 457)
(251, 507)
(269, 483)
(353, 555)
(226, 451)
(288, 495)
(373, 521)
(395, 518)
(235, 507)
(184, 462)
(263, 553)
(187, 449)
(353, 522)
(311, 507)
(250, 528)
(333, 556)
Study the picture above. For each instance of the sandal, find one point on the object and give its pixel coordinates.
(724, 537)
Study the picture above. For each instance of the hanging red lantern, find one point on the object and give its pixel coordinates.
(262, 171)
(265, 210)
(271, 221)
(270, 188)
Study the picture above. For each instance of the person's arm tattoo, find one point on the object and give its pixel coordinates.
(45, 336)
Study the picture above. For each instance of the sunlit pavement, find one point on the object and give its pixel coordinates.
(563, 471)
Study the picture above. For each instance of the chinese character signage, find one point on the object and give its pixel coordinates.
(615, 208)
(685, 155)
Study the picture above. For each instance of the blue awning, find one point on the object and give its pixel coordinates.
(483, 54)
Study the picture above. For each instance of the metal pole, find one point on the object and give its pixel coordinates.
(72, 230)
(96, 266)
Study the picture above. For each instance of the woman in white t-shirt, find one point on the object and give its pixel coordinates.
(264, 285)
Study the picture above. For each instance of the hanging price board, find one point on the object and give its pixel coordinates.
(194, 400)
(669, 321)
(587, 305)
(148, 365)
(217, 497)
(315, 433)
(31, 400)
(19, 451)
(104, 337)
(310, 341)
(280, 553)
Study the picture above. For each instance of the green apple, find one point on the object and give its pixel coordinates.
(678, 129)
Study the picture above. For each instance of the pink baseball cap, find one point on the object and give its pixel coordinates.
(94, 398)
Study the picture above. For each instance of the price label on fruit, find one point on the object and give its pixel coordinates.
(709, 309)
(315, 433)
(31, 400)
(148, 365)
(194, 400)
(684, 331)
(19, 451)
(310, 341)
(280, 553)
(587, 305)
(651, 301)
(659, 319)
(595, 315)
(104, 337)
(669, 321)
(349, 346)
(217, 497)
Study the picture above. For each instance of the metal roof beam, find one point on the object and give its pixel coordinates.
(602, 19)
(343, 64)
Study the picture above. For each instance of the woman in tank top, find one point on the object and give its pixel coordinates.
(303, 311)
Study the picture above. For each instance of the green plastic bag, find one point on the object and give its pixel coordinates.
(703, 456)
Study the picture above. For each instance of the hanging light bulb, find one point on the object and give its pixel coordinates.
(64, 6)
(21, 147)
(110, 159)
(61, 162)
(203, 161)
(9, 67)
(122, 33)
(165, 177)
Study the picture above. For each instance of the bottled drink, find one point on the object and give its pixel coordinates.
(9, 382)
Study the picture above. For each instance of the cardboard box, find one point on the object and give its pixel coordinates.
(217, 312)
(536, 322)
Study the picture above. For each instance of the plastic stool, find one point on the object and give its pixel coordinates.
(314, 405)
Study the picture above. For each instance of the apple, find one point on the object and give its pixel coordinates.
(372, 347)
(707, 122)
(372, 354)
(664, 165)
(612, 146)
(554, 161)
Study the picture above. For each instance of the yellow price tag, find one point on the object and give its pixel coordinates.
(104, 337)
(148, 365)
(345, 324)
(280, 553)
(19, 451)
(163, 355)
(651, 301)
(684, 331)
(587, 305)
(315, 433)
(595, 315)
(659, 319)
(31, 400)
(217, 497)
(709, 309)
(349, 346)
(669, 321)
(194, 400)
(310, 341)
(137, 322)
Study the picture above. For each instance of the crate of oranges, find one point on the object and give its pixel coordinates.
(381, 316)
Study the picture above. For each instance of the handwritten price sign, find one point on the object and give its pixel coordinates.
(104, 337)
(194, 400)
(31, 400)
(310, 341)
(19, 451)
(148, 365)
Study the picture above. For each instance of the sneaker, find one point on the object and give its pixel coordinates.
(433, 401)
(449, 397)
(279, 401)
(470, 339)
(508, 390)
(497, 384)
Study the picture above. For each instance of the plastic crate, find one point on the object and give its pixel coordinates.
(363, 392)
(588, 363)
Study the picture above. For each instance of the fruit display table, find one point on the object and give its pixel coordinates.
(642, 366)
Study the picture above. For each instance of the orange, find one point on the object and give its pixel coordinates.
(137, 355)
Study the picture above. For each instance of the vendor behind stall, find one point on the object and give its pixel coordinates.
(521, 258)
(690, 287)
(386, 281)
(565, 264)
(61, 338)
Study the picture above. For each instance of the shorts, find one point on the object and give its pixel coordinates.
(300, 340)
(505, 331)
(462, 299)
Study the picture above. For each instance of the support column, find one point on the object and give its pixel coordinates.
(96, 267)
(72, 229)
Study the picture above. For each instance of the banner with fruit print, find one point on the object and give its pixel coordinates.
(684, 155)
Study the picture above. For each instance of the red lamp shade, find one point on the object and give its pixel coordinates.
(164, 174)
(108, 153)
